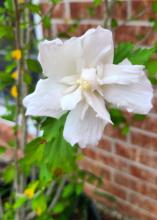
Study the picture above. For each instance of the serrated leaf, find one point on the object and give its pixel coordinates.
(122, 51)
(141, 56)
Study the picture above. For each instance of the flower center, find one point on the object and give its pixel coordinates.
(84, 84)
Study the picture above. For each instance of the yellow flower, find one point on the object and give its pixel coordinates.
(21, 1)
(38, 211)
(14, 75)
(16, 54)
(29, 193)
(13, 91)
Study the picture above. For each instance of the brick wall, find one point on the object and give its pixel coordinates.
(128, 164)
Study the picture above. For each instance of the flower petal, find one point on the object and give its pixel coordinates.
(121, 74)
(98, 105)
(86, 131)
(136, 97)
(58, 59)
(97, 43)
(45, 100)
(69, 101)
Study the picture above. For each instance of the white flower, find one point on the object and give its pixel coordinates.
(81, 79)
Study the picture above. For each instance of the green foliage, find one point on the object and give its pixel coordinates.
(34, 66)
(154, 7)
(97, 2)
(2, 150)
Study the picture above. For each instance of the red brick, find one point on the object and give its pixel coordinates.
(136, 154)
(114, 189)
(105, 144)
(114, 162)
(138, 186)
(148, 124)
(92, 192)
(142, 9)
(74, 31)
(143, 202)
(119, 10)
(96, 169)
(154, 110)
(131, 211)
(144, 141)
(144, 174)
(135, 34)
(57, 12)
(114, 132)
(80, 10)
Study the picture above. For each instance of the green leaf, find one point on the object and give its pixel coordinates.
(47, 21)
(45, 175)
(125, 129)
(2, 150)
(51, 127)
(79, 188)
(39, 203)
(19, 202)
(141, 56)
(114, 23)
(35, 8)
(34, 66)
(55, 1)
(139, 117)
(59, 207)
(68, 190)
(97, 2)
(122, 51)
(154, 7)
(9, 174)
(33, 153)
(117, 116)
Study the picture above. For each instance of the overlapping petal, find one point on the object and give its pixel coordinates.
(98, 105)
(59, 58)
(83, 131)
(121, 74)
(135, 97)
(97, 47)
(45, 100)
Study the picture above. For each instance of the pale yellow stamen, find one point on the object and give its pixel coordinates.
(84, 84)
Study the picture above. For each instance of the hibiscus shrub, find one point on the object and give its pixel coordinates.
(83, 83)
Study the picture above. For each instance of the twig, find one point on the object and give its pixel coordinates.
(58, 193)
(1, 208)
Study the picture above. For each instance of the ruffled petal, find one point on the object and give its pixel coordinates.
(98, 105)
(136, 97)
(123, 73)
(97, 46)
(69, 101)
(83, 131)
(45, 100)
(59, 59)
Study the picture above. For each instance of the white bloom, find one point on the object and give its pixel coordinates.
(81, 79)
